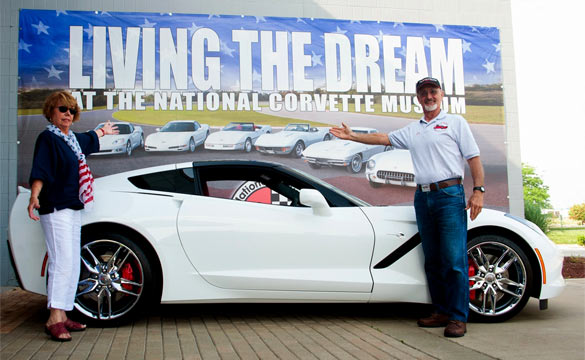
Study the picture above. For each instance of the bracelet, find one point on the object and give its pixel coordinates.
(103, 131)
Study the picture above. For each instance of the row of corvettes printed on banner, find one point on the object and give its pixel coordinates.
(296, 139)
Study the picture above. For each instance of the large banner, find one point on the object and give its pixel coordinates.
(188, 87)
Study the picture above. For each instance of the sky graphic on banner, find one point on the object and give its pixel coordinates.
(45, 35)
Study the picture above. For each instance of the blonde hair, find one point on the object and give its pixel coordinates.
(65, 98)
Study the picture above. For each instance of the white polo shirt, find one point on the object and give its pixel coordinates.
(439, 148)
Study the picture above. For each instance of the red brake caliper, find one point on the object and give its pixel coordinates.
(471, 272)
(127, 274)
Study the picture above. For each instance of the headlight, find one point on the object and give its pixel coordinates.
(118, 142)
(371, 164)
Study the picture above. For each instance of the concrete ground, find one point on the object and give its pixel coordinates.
(293, 331)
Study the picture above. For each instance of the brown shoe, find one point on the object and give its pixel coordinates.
(435, 320)
(455, 328)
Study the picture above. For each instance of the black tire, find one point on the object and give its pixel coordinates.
(327, 137)
(191, 145)
(374, 185)
(129, 148)
(116, 281)
(500, 278)
(141, 141)
(248, 145)
(297, 150)
(314, 166)
(355, 165)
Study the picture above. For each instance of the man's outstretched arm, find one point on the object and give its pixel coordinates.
(346, 133)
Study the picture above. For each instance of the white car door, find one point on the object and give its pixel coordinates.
(249, 245)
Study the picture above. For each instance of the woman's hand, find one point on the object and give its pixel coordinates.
(33, 204)
(107, 129)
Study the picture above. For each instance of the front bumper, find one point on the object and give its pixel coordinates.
(166, 148)
(281, 150)
(224, 146)
(112, 150)
(327, 162)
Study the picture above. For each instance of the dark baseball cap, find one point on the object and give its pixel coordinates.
(427, 81)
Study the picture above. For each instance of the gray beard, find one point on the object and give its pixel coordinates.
(431, 107)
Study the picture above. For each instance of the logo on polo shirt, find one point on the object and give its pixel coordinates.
(441, 126)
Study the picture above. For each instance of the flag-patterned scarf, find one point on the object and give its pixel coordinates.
(85, 177)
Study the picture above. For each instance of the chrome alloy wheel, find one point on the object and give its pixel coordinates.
(111, 281)
(497, 279)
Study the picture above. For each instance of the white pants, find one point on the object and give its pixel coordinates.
(63, 237)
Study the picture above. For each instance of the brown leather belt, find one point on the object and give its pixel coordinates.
(439, 185)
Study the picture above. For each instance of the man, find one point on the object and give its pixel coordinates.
(439, 143)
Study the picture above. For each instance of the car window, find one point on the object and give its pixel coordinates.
(123, 129)
(259, 185)
(174, 181)
(239, 127)
(178, 127)
(241, 190)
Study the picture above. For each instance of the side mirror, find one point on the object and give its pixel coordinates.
(314, 199)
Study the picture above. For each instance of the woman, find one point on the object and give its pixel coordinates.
(61, 186)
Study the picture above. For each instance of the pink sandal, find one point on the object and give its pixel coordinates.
(74, 325)
(56, 330)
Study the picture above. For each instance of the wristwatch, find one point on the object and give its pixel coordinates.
(479, 188)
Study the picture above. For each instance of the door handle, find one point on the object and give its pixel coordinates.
(399, 235)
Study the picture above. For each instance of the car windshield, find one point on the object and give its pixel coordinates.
(356, 200)
(123, 129)
(297, 127)
(178, 127)
(239, 127)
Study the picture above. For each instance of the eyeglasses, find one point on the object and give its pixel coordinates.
(64, 109)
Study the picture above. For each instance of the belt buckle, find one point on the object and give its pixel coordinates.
(425, 187)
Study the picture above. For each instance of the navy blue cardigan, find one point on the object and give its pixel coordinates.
(55, 164)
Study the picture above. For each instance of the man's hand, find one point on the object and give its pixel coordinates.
(343, 132)
(475, 203)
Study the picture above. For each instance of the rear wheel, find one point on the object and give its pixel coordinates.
(116, 279)
(500, 278)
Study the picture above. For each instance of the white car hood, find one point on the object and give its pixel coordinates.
(168, 138)
(335, 149)
(278, 139)
(394, 160)
(109, 139)
(228, 137)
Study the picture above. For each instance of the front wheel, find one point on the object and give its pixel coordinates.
(500, 278)
(355, 165)
(297, 150)
(116, 279)
(248, 145)
(191, 145)
(128, 148)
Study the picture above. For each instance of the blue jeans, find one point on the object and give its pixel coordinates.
(442, 224)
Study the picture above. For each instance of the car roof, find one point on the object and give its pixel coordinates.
(207, 163)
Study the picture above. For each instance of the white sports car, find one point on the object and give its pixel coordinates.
(293, 139)
(248, 231)
(179, 135)
(129, 138)
(236, 136)
(347, 153)
(391, 167)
